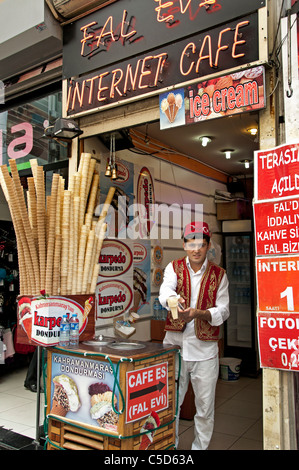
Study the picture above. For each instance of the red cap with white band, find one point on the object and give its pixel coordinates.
(196, 228)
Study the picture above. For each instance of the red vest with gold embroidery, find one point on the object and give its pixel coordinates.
(206, 298)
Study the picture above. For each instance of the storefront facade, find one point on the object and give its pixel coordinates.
(115, 95)
(121, 61)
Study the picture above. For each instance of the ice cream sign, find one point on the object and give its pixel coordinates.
(113, 297)
(82, 391)
(115, 282)
(237, 92)
(115, 259)
(39, 318)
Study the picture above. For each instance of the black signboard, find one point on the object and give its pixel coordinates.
(224, 47)
(128, 28)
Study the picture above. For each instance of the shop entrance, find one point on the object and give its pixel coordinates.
(186, 172)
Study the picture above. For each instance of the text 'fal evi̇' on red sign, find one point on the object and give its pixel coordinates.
(147, 391)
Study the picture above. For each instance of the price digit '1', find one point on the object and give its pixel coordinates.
(288, 293)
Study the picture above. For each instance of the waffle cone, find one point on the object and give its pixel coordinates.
(167, 114)
(172, 109)
(86, 311)
(176, 110)
(174, 312)
(107, 203)
(94, 279)
(58, 409)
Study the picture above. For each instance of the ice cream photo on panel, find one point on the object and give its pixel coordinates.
(172, 109)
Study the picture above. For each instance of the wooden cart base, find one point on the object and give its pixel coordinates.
(66, 436)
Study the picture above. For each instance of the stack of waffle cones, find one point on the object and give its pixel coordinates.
(58, 239)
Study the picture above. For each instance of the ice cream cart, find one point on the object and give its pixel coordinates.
(112, 395)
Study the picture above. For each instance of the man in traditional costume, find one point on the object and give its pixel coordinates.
(203, 290)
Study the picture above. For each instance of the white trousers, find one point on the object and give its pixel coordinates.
(203, 376)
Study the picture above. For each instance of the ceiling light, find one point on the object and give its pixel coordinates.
(205, 140)
(246, 163)
(253, 130)
(228, 153)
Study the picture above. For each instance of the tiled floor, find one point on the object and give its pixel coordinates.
(238, 417)
(238, 413)
(18, 405)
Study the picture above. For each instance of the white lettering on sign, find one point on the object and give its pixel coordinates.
(277, 172)
(279, 323)
(147, 390)
(279, 340)
(279, 158)
(277, 227)
(285, 184)
(275, 266)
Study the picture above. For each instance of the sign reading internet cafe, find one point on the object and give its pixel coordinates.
(132, 49)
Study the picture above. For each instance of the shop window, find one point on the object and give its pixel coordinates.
(22, 129)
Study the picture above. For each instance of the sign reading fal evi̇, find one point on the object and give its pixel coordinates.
(129, 49)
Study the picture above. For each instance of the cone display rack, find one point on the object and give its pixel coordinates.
(58, 238)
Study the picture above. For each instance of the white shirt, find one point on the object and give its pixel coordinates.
(192, 348)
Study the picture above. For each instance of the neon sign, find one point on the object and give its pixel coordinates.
(96, 39)
(222, 48)
(113, 34)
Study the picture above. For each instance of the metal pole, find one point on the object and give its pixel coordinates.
(37, 434)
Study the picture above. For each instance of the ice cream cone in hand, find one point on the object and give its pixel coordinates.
(172, 302)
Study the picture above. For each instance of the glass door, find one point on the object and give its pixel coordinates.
(238, 267)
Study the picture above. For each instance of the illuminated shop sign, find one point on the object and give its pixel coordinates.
(133, 27)
(234, 93)
(224, 47)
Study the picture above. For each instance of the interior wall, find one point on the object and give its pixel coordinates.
(173, 185)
